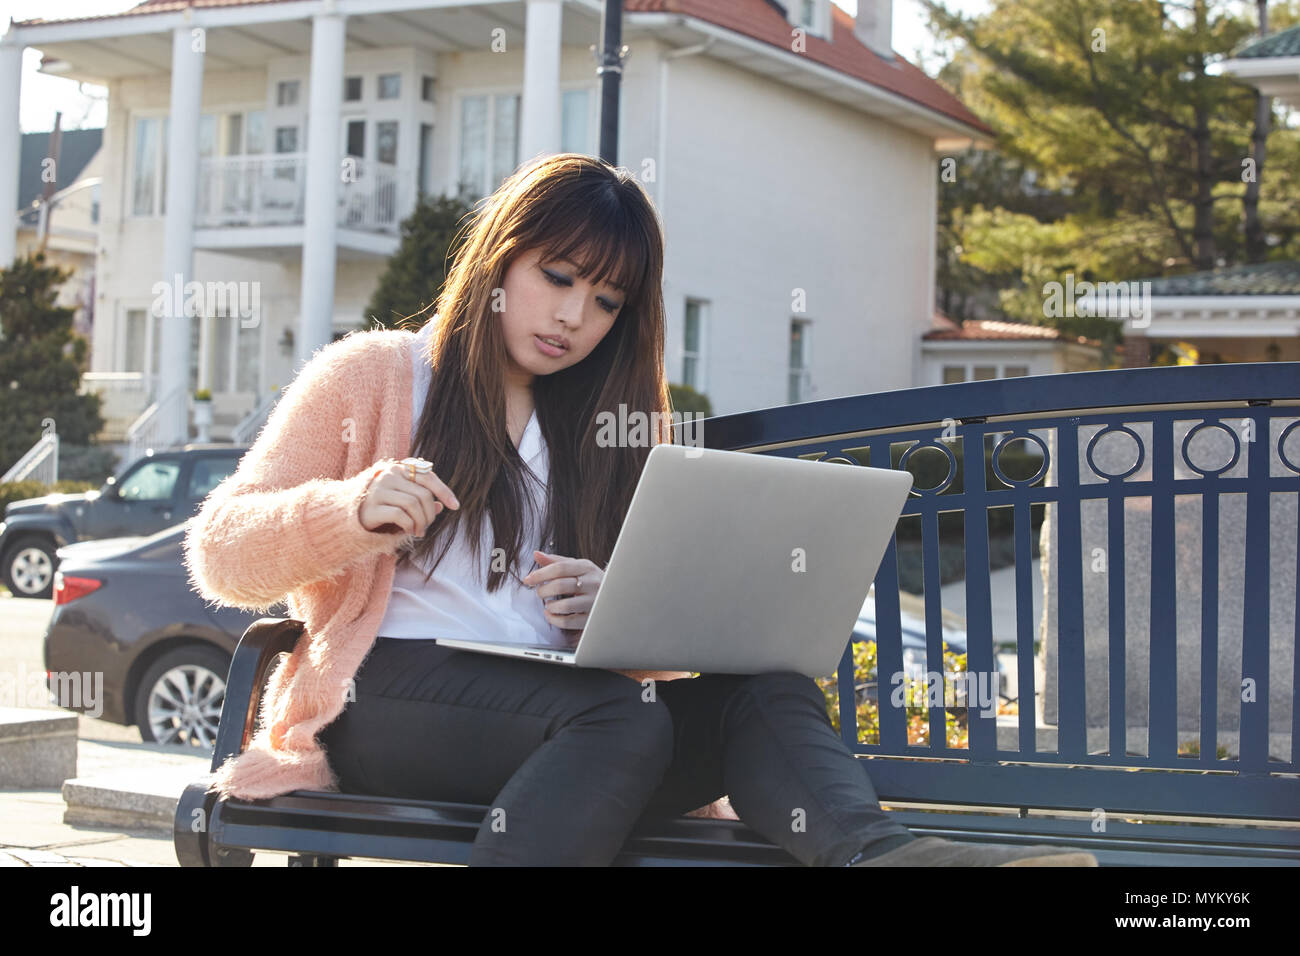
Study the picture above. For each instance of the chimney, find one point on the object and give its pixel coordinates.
(874, 24)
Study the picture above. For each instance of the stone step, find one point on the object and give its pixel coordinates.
(38, 748)
(136, 799)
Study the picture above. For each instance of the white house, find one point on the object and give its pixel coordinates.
(790, 152)
(1272, 65)
(981, 349)
(58, 211)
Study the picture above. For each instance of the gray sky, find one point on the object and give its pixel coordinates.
(84, 106)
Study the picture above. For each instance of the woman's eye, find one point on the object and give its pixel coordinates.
(551, 277)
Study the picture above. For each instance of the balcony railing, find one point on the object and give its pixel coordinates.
(270, 189)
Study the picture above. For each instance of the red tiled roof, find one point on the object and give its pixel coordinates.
(994, 330)
(756, 19)
(844, 52)
(149, 7)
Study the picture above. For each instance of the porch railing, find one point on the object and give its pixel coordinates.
(40, 463)
(270, 190)
(148, 430)
(252, 423)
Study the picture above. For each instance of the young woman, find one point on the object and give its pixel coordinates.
(551, 313)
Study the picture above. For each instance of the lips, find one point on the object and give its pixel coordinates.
(559, 341)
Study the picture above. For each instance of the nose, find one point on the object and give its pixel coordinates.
(569, 311)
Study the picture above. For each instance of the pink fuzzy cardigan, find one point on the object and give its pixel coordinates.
(286, 523)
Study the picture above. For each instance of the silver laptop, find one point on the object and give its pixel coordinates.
(735, 562)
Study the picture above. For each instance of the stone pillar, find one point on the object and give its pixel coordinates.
(324, 177)
(182, 161)
(11, 75)
(539, 121)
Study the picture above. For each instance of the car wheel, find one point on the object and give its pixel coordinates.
(29, 566)
(180, 696)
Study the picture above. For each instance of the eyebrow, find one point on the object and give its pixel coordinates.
(575, 266)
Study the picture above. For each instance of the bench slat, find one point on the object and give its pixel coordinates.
(1269, 797)
(1209, 628)
(1162, 741)
(1072, 732)
(982, 731)
(1026, 630)
(1256, 607)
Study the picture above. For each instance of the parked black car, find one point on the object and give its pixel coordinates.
(124, 608)
(153, 493)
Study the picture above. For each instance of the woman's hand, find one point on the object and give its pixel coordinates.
(572, 583)
(394, 501)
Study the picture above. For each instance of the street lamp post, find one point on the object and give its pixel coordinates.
(610, 71)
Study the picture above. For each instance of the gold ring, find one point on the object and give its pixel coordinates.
(417, 465)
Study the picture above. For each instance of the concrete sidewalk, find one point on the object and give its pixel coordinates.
(117, 811)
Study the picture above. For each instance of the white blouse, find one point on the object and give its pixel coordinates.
(455, 601)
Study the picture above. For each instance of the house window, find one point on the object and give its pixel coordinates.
(351, 89)
(693, 346)
(248, 353)
(800, 381)
(386, 142)
(141, 340)
(390, 86)
(980, 373)
(286, 139)
(286, 93)
(808, 13)
(137, 340)
(426, 89)
(575, 112)
(489, 142)
(207, 135)
(232, 134)
(234, 354)
(196, 350)
(149, 172)
(255, 132)
(94, 204)
(356, 138)
(233, 145)
(426, 157)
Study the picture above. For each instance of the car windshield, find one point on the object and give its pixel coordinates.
(150, 482)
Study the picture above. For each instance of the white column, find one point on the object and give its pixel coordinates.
(182, 161)
(324, 179)
(11, 75)
(539, 122)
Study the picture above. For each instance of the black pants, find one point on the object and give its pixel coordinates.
(570, 759)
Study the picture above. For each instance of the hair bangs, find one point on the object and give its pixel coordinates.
(607, 249)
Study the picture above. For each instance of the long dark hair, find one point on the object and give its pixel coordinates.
(600, 218)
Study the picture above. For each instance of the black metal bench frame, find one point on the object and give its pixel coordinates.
(983, 793)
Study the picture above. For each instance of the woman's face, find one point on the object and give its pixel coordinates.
(548, 299)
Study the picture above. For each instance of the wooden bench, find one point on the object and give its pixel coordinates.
(1182, 809)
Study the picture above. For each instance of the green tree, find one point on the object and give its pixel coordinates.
(41, 361)
(1135, 147)
(415, 274)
